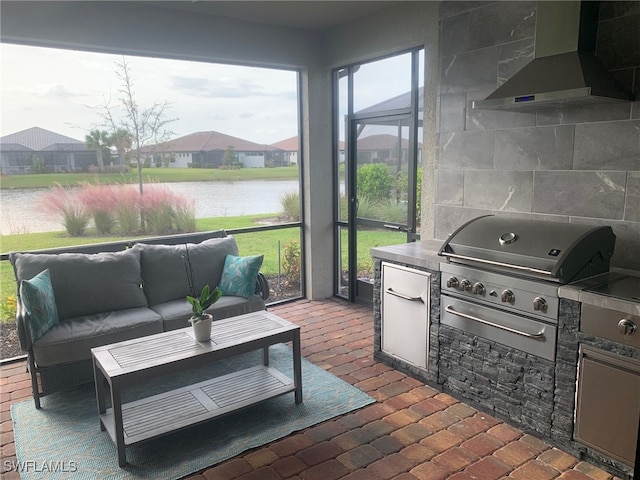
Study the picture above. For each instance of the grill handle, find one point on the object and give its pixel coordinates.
(536, 336)
(499, 264)
(403, 296)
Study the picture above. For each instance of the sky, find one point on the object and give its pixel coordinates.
(63, 91)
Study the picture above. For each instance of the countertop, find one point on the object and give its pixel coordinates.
(580, 292)
(421, 254)
(424, 254)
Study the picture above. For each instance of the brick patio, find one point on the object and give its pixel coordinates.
(412, 432)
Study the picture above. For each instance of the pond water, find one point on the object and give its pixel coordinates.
(21, 209)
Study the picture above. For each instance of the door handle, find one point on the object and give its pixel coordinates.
(536, 336)
(396, 227)
(403, 296)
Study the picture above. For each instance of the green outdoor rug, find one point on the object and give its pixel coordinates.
(63, 439)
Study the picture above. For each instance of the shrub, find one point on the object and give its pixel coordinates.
(344, 207)
(367, 208)
(392, 211)
(8, 307)
(127, 209)
(375, 182)
(185, 215)
(365, 267)
(167, 212)
(157, 205)
(291, 263)
(66, 203)
(290, 203)
(100, 201)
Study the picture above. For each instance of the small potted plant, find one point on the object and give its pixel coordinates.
(200, 319)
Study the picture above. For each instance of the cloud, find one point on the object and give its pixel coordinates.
(203, 96)
(224, 87)
(60, 92)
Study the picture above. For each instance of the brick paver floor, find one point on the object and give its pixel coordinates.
(412, 432)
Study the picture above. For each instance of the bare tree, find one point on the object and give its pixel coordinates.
(146, 127)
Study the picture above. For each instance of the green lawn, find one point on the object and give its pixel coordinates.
(270, 243)
(149, 175)
(248, 244)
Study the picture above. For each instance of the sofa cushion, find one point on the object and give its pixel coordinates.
(164, 271)
(71, 340)
(40, 304)
(239, 275)
(84, 284)
(175, 314)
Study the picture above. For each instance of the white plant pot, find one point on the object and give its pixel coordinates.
(202, 329)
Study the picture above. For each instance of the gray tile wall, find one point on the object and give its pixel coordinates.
(579, 164)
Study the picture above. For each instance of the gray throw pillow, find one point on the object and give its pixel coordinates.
(85, 284)
(164, 271)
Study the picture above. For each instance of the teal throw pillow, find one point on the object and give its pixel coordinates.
(40, 303)
(239, 275)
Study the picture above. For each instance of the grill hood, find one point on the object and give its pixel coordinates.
(553, 251)
(565, 70)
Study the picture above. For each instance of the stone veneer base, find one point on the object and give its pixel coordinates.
(533, 394)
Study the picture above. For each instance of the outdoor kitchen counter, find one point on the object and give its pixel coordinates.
(579, 292)
(422, 254)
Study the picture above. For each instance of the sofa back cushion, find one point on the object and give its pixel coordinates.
(85, 284)
(164, 271)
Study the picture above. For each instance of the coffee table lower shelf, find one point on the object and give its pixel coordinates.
(170, 411)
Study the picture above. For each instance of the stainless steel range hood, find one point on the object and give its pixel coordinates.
(565, 69)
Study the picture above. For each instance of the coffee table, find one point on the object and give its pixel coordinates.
(124, 364)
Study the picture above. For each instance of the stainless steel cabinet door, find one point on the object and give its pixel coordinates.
(608, 403)
(405, 314)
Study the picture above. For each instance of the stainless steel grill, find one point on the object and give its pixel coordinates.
(552, 251)
(501, 277)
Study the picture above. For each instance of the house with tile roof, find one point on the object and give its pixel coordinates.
(37, 150)
(290, 147)
(381, 148)
(207, 150)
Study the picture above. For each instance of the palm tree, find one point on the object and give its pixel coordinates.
(98, 140)
(121, 139)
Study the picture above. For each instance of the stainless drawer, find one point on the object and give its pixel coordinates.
(511, 330)
(611, 324)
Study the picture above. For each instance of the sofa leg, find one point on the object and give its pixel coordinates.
(34, 382)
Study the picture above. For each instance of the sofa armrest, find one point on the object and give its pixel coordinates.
(262, 286)
(22, 324)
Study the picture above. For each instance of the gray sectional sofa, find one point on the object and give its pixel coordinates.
(112, 296)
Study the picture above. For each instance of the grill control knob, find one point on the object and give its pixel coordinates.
(540, 304)
(627, 327)
(507, 296)
(477, 289)
(452, 282)
(465, 285)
